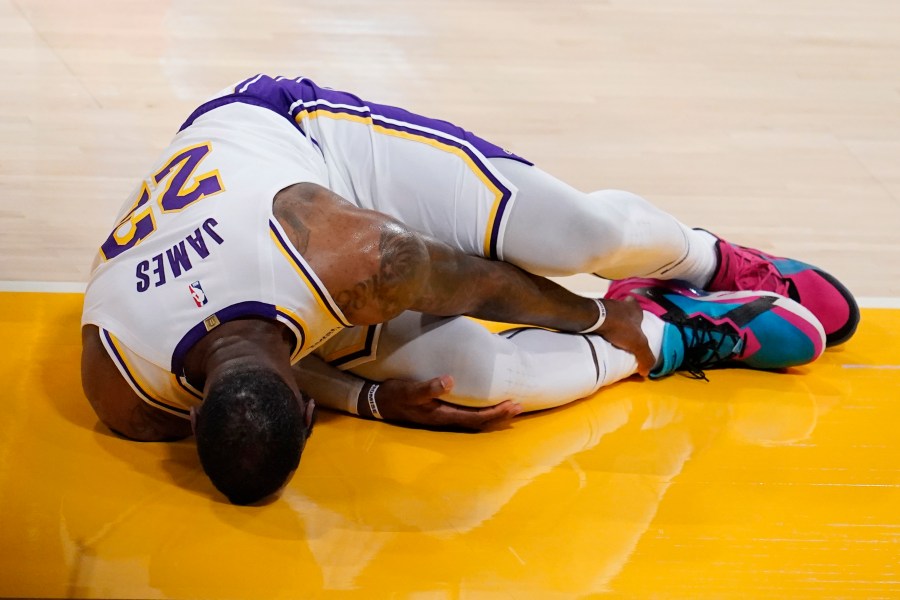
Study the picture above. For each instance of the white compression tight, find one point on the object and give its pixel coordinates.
(555, 230)
(535, 367)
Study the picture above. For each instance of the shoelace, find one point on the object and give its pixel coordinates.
(708, 345)
(757, 273)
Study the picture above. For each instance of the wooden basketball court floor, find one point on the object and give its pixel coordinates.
(774, 123)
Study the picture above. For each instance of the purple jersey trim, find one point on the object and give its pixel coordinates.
(368, 349)
(187, 387)
(287, 97)
(310, 93)
(229, 313)
(223, 100)
(299, 326)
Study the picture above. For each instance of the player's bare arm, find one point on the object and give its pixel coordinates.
(116, 404)
(399, 401)
(375, 268)
(372, 266)
(499, 291)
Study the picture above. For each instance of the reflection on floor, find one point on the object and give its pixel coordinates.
(752, 485)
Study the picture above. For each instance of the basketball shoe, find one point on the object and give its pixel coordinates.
(762, 330)
(741, 268)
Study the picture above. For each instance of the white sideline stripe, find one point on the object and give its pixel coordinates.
(75, 287)
(56, 287)
(878, 302)
(863, 301)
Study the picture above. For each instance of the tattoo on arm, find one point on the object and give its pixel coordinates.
(389, 291)
(298, 232)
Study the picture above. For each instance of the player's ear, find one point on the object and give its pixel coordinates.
(309, 416)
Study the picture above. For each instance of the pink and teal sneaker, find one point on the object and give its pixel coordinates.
(757, 329)
(833, 305)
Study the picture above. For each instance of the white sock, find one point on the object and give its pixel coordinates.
(653, 326)
(701, 261)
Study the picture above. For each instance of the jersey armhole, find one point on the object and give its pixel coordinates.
(117, 354)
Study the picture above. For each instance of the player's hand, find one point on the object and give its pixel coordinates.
(418, 403)
(622, 329)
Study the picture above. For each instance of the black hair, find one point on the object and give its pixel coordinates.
(250, 434)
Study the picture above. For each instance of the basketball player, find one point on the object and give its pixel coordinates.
(284, 212)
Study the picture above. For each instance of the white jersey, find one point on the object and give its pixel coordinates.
(198, 246)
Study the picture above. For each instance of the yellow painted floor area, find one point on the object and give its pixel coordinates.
(753, 485)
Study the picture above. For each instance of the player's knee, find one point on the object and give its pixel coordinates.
(624, 218)
(619, 209)
(594, 233)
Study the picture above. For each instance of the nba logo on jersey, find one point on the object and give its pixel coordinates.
(197, 294)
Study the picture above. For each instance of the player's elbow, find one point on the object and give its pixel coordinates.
(129, 422)
(119, 408)
(138, 422)
(151, 435)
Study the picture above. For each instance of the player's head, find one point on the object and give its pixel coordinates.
(251, 430)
